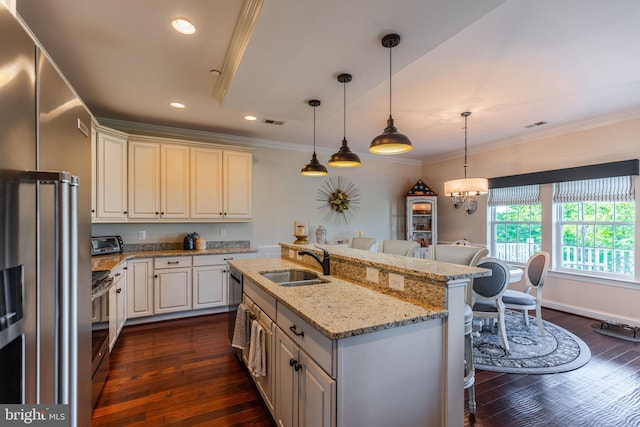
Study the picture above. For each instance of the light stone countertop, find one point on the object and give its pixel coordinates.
(110, 262)
(338, 309)
(428, 269)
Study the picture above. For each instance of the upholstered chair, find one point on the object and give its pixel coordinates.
(534, 274)
(364, 243)
(487, 295)
(399, 247)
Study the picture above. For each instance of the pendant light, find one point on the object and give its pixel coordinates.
(344, 158)
(314, 168)
(465, 192)
(390, 141)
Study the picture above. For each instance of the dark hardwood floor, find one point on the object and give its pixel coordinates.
(603, 393)
(182, 373)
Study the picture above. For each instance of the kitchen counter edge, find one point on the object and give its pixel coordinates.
(338, 309)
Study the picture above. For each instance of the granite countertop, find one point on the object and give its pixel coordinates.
(338, 309)
(109, 262)
(428, 269)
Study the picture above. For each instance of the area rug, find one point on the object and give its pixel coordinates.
(529, 352)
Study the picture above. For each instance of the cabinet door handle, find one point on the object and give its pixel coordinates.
(297, 366)
(292, 362)
(118, 290)
(125, 212)
(156, 276)
(295, 331)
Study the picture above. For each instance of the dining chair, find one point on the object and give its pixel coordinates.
(460, 254)
(399, 247)
(534, 274)
(487, 295)
(364, 243)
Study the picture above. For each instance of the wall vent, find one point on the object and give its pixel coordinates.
(536, 124)
(273, 122)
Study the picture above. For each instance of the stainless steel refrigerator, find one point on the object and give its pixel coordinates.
(45, 230)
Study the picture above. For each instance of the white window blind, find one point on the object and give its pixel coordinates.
(520, 195)
(613, 189)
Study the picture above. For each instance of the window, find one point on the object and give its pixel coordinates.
(516, 222)
(596, 225)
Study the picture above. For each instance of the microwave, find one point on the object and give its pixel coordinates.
(102, 245)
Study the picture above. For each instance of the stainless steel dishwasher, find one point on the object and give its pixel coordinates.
(235, 297)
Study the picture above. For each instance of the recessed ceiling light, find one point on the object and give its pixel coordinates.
(183, 26)
(250, 118)
(177, 105)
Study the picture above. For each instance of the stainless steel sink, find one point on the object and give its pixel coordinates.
(293, 277)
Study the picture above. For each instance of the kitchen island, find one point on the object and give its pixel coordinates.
(381, 343)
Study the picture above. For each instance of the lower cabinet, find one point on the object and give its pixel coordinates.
(302, 393)
(172, 290)
(264, 383)
(117, 306)
(140, 288)
(305, 394)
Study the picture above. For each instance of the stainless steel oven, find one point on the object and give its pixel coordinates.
(100, 357)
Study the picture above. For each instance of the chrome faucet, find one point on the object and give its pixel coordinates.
(324, 262)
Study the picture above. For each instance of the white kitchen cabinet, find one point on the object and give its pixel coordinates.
(305, 394)
(206, 183)
(140, 288)
(111, 175)
(158, 180)
(220, 183)
(94, 172)
(209, 286)
(172, 284)
(264, 383)
(117, 305)
(237, 185)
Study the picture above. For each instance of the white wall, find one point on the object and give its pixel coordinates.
(281, 196)
(595, 298)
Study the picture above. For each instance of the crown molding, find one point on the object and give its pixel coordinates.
(581, 126)
(213, 137)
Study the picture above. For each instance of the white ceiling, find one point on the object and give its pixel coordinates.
(511, 63)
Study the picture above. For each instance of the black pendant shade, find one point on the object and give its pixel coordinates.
(344, 158)
(314, 168)
(390, 141)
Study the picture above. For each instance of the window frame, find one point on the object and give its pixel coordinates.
(493, 225)
(558, 240)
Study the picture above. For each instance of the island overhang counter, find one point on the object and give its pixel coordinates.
(396, 327)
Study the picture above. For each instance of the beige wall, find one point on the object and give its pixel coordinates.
(600, 299)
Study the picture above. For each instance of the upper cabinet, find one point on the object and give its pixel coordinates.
(158, 180)
(206, 183)
(111, 174)
(170, 180)
(237, 185)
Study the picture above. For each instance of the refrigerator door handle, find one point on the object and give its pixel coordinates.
(66, 236)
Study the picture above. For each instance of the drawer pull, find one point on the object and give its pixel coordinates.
(295, 331)
(253, 316)
(173, 262)
(295, 364)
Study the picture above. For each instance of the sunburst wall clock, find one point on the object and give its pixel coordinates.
(340, 199)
